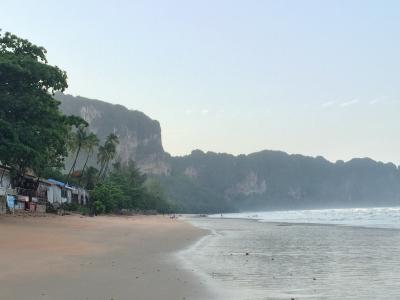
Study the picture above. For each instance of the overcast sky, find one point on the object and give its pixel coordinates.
(309, 77)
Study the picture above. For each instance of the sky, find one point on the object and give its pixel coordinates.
(308, 77)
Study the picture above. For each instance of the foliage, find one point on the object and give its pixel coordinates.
(70, 206)
(83, 210)
(76, 141)
(273, 180)
(89, 178)
(106, 197)
(91, 142)
(98, 207)
(131, 182)
(33, 130)
(126, 188)
(74, 207)
(107, 153)
(155, 197)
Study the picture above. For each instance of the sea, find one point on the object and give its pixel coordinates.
(351, 253)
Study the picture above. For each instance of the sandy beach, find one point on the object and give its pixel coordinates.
(74, 257)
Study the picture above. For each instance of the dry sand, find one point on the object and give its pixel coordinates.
(74, 257)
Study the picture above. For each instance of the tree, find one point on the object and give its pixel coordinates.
(102, 157)
(131, 182)
(155, 197)
(76, 141)
(33, 131)
(89, 177)
(105, 197)
(127, 189)
(90, 143)
(139, 192)
(107, 153)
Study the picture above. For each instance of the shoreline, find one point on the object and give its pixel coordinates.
(287, 223)
(183, 256)
(382, 219)
(106, 257)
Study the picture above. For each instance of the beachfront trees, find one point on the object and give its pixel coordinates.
(76, 142)
(89, 178)
(107, 153)
(105, 198)
(126, 188)
(32, 129)
(91, 142)
(131, 182)
(155, 197)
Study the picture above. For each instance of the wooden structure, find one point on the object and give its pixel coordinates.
(33, 193)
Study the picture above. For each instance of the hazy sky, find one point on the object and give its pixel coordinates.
(309, 77)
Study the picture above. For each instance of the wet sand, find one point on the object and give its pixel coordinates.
(75, 257)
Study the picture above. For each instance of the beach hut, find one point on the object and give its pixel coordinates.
(54, 191)
(60, 192)
(79, 195)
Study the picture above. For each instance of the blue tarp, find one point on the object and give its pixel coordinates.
(10, 201)
(59, 183)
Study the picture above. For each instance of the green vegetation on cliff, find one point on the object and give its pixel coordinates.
(215, 182)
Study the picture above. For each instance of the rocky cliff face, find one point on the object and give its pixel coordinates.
(140, 136)
(271, 180)
(215, 182)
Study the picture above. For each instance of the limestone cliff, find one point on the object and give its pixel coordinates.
(139, 136)
(217, 182)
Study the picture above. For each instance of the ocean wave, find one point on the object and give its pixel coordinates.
(375, 217)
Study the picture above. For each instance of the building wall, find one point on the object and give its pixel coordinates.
(3, 205)
(69, 196)
(82, 195)
(6, 181)
(54, 194)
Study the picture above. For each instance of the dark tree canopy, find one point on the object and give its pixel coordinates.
(33, 131)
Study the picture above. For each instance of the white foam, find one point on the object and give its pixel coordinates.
(377, 217)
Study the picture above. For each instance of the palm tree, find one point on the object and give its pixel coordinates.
(90, 177)
(101, 159)
(90, 143)
(111, 149)
(107, 153)
(111, 142)
(76, 141)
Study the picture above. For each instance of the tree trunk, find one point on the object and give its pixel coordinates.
(73, 165)
(84, 167)
(101, 171)
(105, 170)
